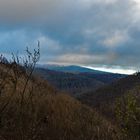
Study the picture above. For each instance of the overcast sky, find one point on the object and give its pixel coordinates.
(85, 32)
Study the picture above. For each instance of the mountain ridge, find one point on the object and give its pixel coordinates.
(72, 69)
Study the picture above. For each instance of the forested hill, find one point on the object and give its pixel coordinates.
(31, 109)
(77, 83)
(104, 98)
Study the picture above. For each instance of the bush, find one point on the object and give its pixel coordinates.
(128, 116)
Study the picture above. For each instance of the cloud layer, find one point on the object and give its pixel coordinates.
(86, 32)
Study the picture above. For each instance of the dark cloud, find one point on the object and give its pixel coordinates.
(87, 32)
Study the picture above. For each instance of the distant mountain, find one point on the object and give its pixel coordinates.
(69, 82)
(104, 77)
(71, 69)
(76, 82)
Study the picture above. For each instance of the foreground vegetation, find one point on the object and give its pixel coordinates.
(31, 109)
(119, 103)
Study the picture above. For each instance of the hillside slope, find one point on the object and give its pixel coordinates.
(34, 110)
(103, 99)
(72, 83)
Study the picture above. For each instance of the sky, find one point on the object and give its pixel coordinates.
(93, 33)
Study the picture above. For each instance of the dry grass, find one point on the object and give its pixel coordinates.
(46, 114)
